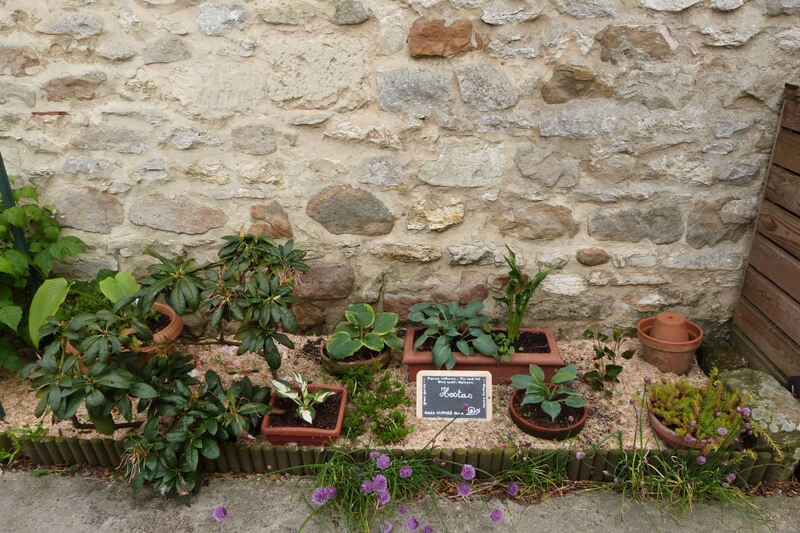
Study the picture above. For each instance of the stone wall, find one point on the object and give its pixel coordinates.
(624, 142)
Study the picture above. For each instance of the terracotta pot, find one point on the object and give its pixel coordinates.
(338, 367)
(541, 431)
(162, 339)
(675, 357)
(303, 435)
(670, 327)
(550, 361)
(669, 437)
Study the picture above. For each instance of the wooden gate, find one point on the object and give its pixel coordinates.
(766, 326)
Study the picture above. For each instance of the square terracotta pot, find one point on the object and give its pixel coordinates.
(305, 435)
(501, 372)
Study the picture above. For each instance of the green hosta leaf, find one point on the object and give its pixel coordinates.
(393, 341)
(564, 375)
(532, 397)
(360, 315)
(121, 285)
(441, 353)
(10, 315)
(48, 298)
(384, 323)
(485, 345)
(576, 401)
(373, 341)
(537, 373)
(521, 381)
(463, 346)
(341, 346)
(307, 413)
(551, 408)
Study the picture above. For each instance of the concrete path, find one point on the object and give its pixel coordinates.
(76, 504)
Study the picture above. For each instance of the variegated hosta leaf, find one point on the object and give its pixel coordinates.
(307, 413)
(284, 389)
(322, 395)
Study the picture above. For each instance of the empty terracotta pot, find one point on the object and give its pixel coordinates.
(671, 327)
(665, 354)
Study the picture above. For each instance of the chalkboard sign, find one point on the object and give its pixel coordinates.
(444, 393)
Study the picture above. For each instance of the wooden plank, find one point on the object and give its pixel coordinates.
(774, 344)
(780, 226)
(787, 150)
(778, 306)
(791, 115)
(776, 265)
(754, 357)
(783, 188)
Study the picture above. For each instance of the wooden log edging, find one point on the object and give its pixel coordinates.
(261, 458)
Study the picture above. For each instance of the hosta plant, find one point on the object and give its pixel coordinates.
(605, 355)
(453, 326)
(519, 291)
(364, 329)
(550, 395)
(300, 395)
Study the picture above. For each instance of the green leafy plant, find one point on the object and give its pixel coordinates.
(202, 418)
(21, 272)
(550, 395)
(86, 296)
(505, 348)
(364, 329)
(605, 369)
(8, 455)
(300, 395)
(178, 279)
(519, 291)
(453, 325)
(121, 285)
(373, 402)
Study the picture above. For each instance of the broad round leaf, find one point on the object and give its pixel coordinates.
(551, 408)
(360, 315)
(46, 301)
(384, 323)
(341, 346)
(373, 341)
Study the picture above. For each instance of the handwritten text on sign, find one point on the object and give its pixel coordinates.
(446, 393)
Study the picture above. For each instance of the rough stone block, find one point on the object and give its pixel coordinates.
(325, 281)
(438, 38)
(345, 209)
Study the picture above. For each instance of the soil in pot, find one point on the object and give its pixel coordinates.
(327, 414)
(157, 321)
(533, 413)
(528, 342)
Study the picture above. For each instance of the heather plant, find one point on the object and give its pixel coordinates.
(605, 355)
(519, 292)
(464, 327)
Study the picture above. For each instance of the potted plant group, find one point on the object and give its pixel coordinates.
(685, 416)
(304, 413)
(453, 336)
(366, 340)
(548, 409)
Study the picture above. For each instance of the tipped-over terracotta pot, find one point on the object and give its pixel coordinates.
(666, 353)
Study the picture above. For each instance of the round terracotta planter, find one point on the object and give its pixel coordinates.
(669, 437)
(669, 356)
(544, 432)
(162, 337)
(338, 367)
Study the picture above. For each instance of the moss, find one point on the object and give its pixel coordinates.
(716, 352)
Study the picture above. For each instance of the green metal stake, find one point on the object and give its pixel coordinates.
(8, 203)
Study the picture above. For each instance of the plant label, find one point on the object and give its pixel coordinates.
(449, 393)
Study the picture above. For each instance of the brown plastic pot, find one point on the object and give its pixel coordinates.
(541, 431)
(337, 367)
(501, 372)
(303, 435)
(667, 356)
(669, 437)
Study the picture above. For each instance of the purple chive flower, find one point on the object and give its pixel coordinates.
(379, 482)
(412, 524)
(722, 432)
(468, 472)
(405, 472)
(746, 411)
(730, 478)
(322, 495)
(512, 489)
(402, 511)
(688, 438)
(373, 455)
(367, 486)
(693, 423)
(570, 419)
(747, 425)
(701, 460)
(616, 480)
(606, 473)
(220, 513)
(464, 490)
(387, 528)
(427, 529)
(384, 497)
(496, 515)
(465, 407)
(717, 414)
(580, 455)
(648, 379)
(383, 462)
(726, 485)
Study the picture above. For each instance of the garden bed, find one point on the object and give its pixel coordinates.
(606, 414)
